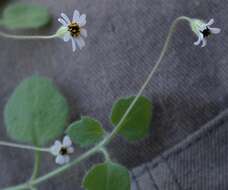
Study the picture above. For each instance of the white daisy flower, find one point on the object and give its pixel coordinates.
(62, 150)
(72, 29)
(203, 30)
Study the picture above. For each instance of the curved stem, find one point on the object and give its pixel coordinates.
(14, 145)
(105, 153)
(56, 171)
(100, 147)
(36, 165)
(165, 47)
(65, 167)
(25, 37)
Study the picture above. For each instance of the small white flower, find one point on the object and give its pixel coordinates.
(72, 29)
(203, 30)
(62, 150)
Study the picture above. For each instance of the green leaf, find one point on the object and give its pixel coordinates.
(137, 123)
(36, 112)
(107, 176)
(86, 132)
(25, 16)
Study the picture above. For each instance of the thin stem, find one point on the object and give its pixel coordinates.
(14, 145)
(165, 47)
(65, 167)
(100, 147)
(105, 153)
(25, 37)
(36, 165)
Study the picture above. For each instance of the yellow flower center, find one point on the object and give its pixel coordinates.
(74, 29)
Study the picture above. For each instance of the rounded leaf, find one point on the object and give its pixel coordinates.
(36, 112)
(85, 132)
(25, 16)
(137, 123)
(107, 176)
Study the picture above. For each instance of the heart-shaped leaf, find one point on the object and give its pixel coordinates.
(136, 124)
(107, 176)
(86, 132)
(36, 112)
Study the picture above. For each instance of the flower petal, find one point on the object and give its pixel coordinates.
(200, 38)
(82, 20)
(197, 42)
(56, 148)
(73, 44)
(204, 42)
(60, 159)
(212, 21)
(65, 17)
(215, 30)
(63, 22)
(70, 150)
(80, 42)
(66, 37)
(67, 141)
(66, 159)
(76, 16)
(84, 32)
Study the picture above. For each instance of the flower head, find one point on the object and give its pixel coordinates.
(72, 29)
(203, 30)
(62, 150)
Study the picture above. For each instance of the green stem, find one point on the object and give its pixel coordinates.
(25, 37)
(165, 47)
(100, 147)
(36, 165)
(56, 171)
(105, 153)
(14, 145)
(67, 166)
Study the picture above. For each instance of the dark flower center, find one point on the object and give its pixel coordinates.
(63, 151)
(206, 32)
(74, 29)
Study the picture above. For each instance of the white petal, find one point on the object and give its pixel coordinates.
(76, 16)
(66, 141)
(60, 160)
(215, 30)
(198, 41)
(66, 37)
(212, 21)
(65, 17)
(73, 44)
(70, 150)
(80, 42)
(66, 159)
(200, 38)
(204, 42)
(84, 32)
(56, 148)
(82, 20)
(63, 22)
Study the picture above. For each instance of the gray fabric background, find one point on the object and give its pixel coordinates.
(125, 38)
(199, 162)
